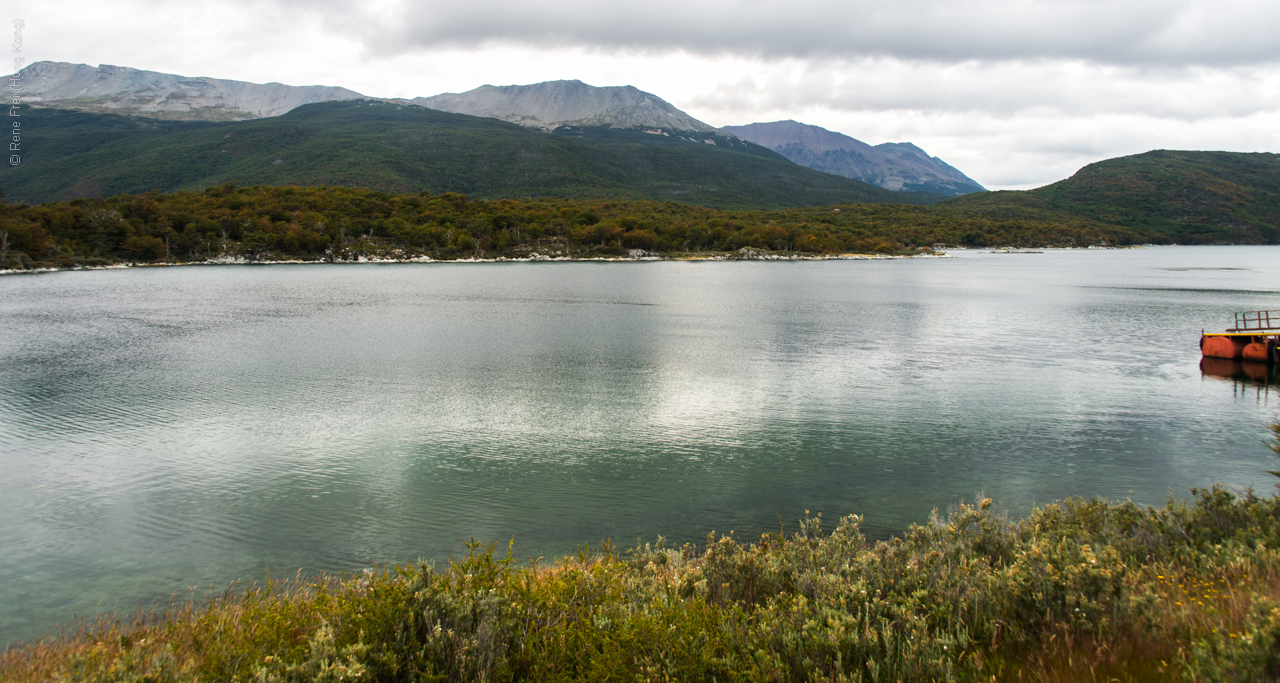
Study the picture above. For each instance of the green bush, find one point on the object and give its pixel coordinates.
(1078, 588)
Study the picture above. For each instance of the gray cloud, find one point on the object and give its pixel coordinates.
(1003, 88)
(1012, 124)
(1123, 32)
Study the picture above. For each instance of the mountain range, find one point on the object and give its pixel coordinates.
(397, 147)
(545, 106)
(891, 165)
(553, 104)
(577, 142)
(122, 90)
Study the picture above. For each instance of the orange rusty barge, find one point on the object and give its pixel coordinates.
(1254, 338)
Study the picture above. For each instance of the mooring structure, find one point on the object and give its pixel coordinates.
(1254, 338)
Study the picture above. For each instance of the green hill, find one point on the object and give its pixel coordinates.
(400, 148)
(1169, 196)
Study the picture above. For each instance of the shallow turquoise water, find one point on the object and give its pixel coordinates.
(168, 428)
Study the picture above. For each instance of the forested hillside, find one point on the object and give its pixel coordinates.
(575, 211)
(401, 148)
(1180, 196)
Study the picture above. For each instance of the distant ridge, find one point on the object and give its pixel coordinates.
(1186, 197)
(553, 104)
(122, 90)
(398, 147)
(566, 106)
(892, 165)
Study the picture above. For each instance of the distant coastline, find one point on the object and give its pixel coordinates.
(545, 258)
(533, 258)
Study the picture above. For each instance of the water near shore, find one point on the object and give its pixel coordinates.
(168, 428)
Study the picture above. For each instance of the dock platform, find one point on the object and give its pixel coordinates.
(1255, 337)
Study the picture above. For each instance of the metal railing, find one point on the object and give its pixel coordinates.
(1248, 321)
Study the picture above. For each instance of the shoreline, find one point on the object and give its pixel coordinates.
(750, 255)
(533, 258)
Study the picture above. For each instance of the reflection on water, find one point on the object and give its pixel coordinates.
(1257, 380)
(164, 428)
(1240, 371)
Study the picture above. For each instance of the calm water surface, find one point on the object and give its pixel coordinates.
(168, 428)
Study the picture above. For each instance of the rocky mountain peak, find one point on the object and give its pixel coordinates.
(891, 165)
(551, 104)
(120, 89)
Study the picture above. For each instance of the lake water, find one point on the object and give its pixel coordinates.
(165, 428)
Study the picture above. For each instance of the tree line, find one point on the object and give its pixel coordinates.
(265, 223)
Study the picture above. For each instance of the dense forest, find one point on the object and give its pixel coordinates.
(264, 223)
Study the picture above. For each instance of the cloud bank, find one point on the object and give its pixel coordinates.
(1117, 32)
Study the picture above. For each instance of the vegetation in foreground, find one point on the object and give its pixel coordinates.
(1079, 590)
(265, 223)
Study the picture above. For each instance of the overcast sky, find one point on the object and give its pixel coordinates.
(1014, 93)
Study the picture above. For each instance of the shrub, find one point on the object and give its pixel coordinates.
(1077, 589)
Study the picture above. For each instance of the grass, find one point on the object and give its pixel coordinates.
(1078, 590)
